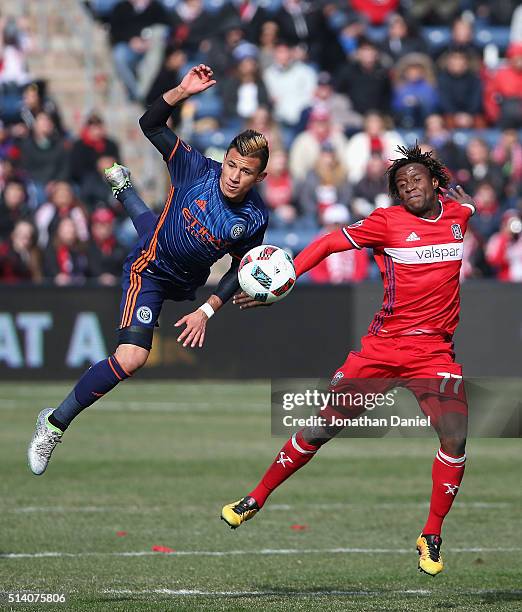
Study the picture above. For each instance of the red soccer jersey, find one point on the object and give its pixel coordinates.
(420, 262)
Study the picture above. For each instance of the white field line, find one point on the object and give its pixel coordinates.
(262, 552)
(152, 406)
(353, 593)
(274, 507)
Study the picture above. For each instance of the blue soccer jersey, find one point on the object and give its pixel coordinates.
(198, 225)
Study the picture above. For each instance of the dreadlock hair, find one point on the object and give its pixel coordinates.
(414, 155)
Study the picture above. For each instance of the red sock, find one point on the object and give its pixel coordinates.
(294, 454)
(446, 474)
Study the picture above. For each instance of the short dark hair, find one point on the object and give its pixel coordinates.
(414, 155)
(251, 144)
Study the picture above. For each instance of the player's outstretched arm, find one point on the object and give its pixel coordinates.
(196, 322)
(309, 257)
(154, 121)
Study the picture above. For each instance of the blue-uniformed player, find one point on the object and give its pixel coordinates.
(211, 210)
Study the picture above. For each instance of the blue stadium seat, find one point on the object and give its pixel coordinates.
(496, 35)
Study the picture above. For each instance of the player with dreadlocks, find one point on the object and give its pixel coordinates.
(418, 248)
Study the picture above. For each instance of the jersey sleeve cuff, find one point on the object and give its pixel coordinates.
(345, 232)
(471, 207)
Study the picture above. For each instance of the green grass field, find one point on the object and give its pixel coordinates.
(158, 461)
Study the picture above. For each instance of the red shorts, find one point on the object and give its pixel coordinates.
(425, 364)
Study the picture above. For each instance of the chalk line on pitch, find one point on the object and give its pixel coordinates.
(232, 553)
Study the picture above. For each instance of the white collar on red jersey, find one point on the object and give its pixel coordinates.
(436, 219)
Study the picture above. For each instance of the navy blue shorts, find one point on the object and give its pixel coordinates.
(140, 306)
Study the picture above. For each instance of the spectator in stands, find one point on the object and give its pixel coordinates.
(503, 92)
(375, 139)
(302, 24)
(13, 70)
(62, 204)
(495, 12)
(44, 155)
(462, 39)
(306, 147)
(480, 167)
(94, 189)
(278, 190)
(371, 191)
(130, 24)
(474, 264)
(415, 94)
(35, 100)
(364, 79)
(344, 118)
(64, 258)
(169, 73)
(14, 206)
(262, 121)
(402, 38)
(433, 12)
(105, 256)
(507, 154)
(460, 90)
(245, 91)
(350, 266)
(350, 37)
(440, 139)
(20, 258)
(375, 11)
(268, 38)
(291, 85)
(325, 185)
(504, 249)
(248, 14)
(193, 25)
(8, 148)
(89, 147)
(486, 221)
(297, 21)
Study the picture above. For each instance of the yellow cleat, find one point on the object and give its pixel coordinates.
(237, 513)
(430, 561)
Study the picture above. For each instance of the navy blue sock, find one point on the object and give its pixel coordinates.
(140, 214)
(95, 382)
(145, 222)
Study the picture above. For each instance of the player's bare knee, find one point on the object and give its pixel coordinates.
(131, 357)
(453, 445)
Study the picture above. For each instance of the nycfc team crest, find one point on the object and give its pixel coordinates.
(144, 314)
(457, 232)
(237, 230)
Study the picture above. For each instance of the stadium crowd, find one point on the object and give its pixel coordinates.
(336, 86)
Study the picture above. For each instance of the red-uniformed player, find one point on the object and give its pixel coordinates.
(418, 247)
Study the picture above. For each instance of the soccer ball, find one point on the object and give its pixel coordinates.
(266, 273)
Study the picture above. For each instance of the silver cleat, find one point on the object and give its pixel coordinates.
(44, 441)
(118, 177)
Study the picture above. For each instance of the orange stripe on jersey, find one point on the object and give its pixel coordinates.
(140, 264)
(174, 149)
